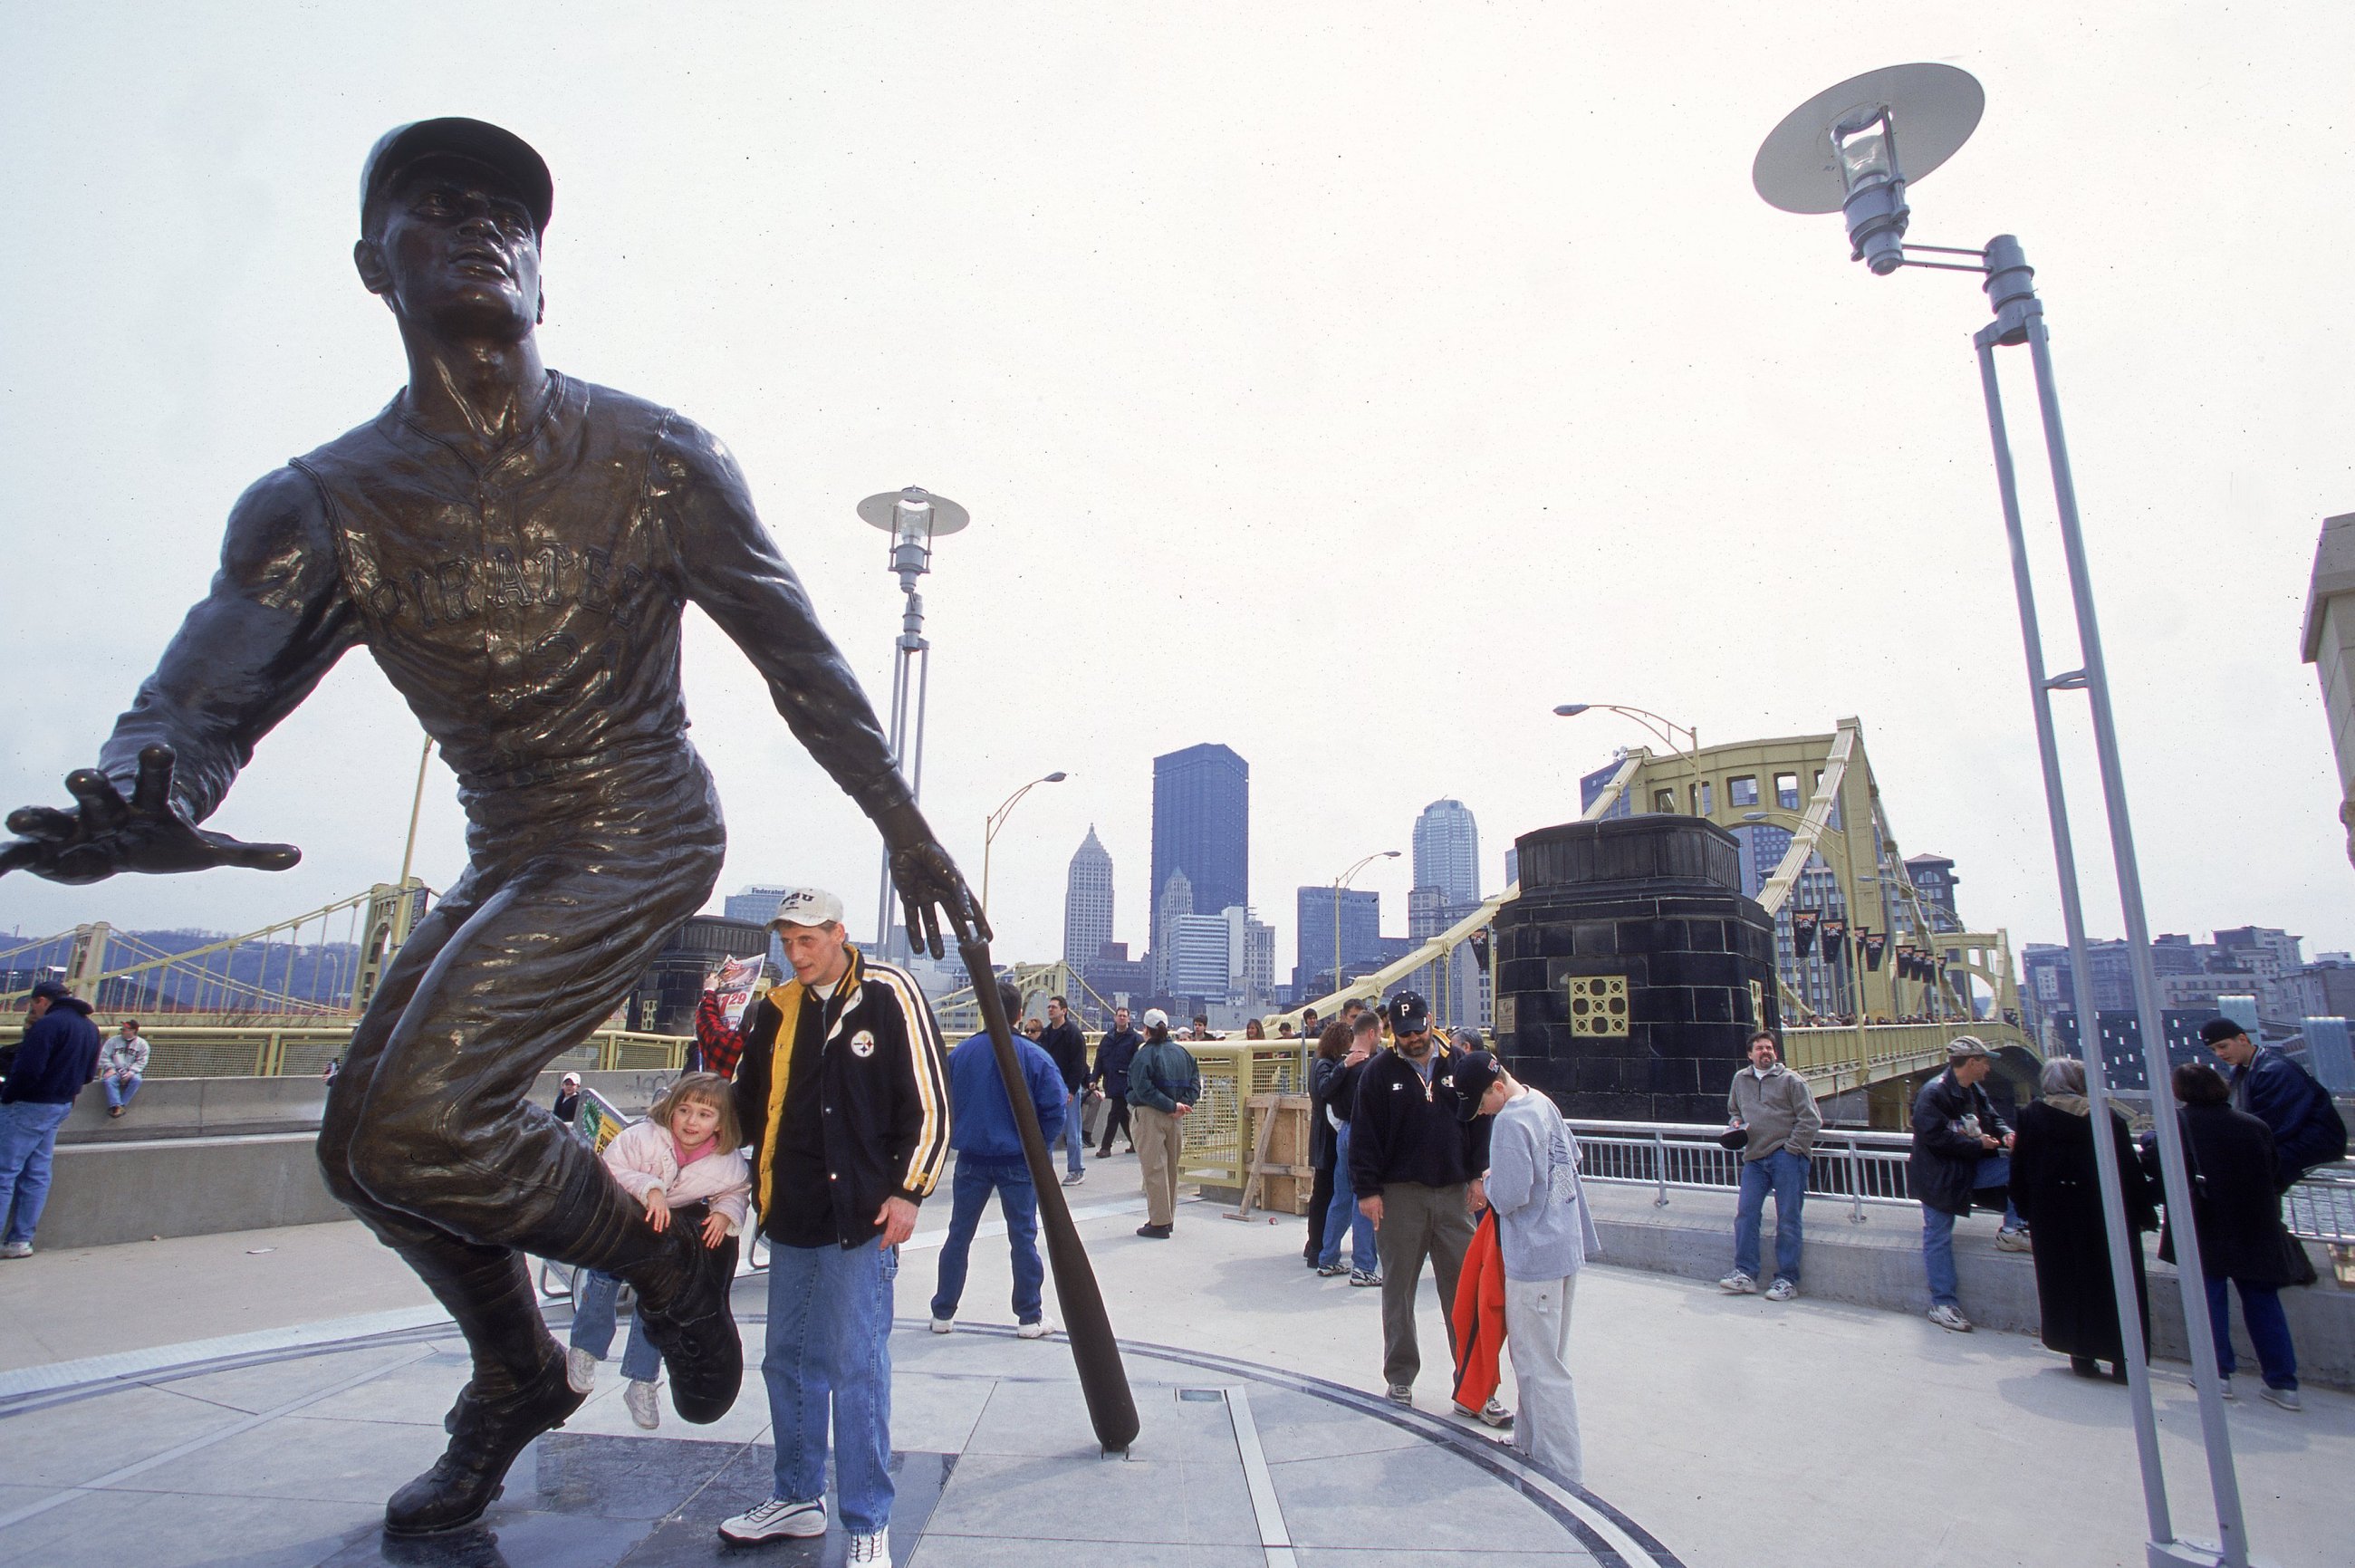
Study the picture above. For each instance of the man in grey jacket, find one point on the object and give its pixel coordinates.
(1772, 1105)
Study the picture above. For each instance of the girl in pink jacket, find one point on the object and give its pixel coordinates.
(686, 1154)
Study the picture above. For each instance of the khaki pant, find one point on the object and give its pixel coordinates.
(1418, 1223)
(1160, 1138)
(1536, 1336)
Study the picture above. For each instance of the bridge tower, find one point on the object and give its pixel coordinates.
(89, 960)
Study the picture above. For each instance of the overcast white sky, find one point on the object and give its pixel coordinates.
(1346, 383)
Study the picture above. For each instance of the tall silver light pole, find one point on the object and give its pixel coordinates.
(914, 517)
(1839, 151)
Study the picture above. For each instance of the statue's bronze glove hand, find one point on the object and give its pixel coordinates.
(105, 833)
(933, 893)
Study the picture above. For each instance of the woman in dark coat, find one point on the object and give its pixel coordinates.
(2057, 1190)
(2236, 1213)
(1324, 1073)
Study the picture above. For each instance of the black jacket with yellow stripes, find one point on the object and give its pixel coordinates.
(883, 1084)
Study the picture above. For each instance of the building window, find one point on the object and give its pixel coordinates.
(1742, 791)
(1702, 805)
(1787, 791)
(1664, 801)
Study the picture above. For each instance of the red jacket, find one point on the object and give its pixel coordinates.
(1477, 1317)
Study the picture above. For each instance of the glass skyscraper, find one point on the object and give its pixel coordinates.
(1202, 825)
(1447, 852)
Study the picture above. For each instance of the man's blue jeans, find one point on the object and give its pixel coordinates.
(1938, 1233)
(1017, 1200)
(28, 1139)
(1075, 1137)
(1785, 1174)
(119, 1090)
(1343, 1215)
(828, 1361)
(593, 1325)
(2261, 1310)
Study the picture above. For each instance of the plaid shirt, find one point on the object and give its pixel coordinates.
(719, 1043)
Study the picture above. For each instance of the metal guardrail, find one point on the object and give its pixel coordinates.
(1863, 1167)
(1218, 1131)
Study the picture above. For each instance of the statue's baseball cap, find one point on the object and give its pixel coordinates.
(807, 906)
(458, 137)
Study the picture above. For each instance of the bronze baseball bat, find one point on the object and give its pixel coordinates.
(1104, 1380)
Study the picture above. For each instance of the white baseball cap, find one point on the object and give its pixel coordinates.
(1156, 1018)
(807, 906)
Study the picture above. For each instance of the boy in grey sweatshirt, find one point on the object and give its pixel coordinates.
(1546, 1234)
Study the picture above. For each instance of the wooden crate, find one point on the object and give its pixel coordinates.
(1279, 1178)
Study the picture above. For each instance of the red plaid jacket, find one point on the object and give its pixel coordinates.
(719, 1043)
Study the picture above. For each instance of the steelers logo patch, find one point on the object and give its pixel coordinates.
(862, 1044)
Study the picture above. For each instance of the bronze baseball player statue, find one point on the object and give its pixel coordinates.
(516, 548)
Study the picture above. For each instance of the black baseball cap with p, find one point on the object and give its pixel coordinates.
(455, 136)
(1409, 1013)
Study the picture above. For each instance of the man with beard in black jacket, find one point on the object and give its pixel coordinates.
(1416, 1167)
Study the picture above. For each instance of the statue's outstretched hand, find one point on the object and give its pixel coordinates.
(931, 890)
(105, 833)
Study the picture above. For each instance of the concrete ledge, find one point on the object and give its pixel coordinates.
(221, 1107)
(197, 1155)
(1879, 1264)
(111, 1192)
(198, 1107)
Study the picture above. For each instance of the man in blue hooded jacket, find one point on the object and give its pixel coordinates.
(57, 1056)
(989, 1143)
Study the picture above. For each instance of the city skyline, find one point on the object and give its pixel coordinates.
(1750, 564)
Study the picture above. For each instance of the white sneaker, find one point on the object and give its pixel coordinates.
(16, 1250)
(1032, 1330)
(580, 1370)
(775, 1520)
(1781, 1290)
(1071, 1178)
(1400, 1394)
(942, 1325)
(1492, 1413)
(1951, 1320)
(2223, 1387)
(871, 1549)
(644, 1408)
(2285, 1397)
(2011, 1240)
(1738, 1284)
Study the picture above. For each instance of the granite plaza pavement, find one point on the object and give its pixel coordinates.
(251, 1398)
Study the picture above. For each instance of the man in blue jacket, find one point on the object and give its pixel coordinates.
(988, 1144)
(2308, 1129)
(58, 1055)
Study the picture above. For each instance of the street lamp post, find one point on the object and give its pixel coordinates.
(1666, 728)
(996, 819)
(914, 517)
(1340, 885)
(1840, 151)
